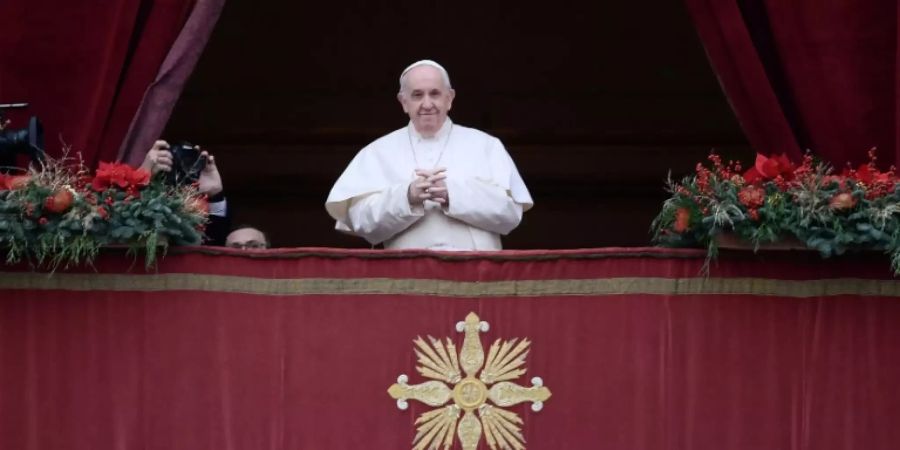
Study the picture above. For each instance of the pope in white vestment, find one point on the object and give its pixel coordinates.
(433, 184)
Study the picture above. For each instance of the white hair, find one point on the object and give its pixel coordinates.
(425, 62)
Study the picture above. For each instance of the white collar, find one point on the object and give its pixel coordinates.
(439, 136)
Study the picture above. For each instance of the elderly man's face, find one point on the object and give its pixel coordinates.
(245, 238)
(426, 99)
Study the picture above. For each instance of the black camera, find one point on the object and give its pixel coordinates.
(27, 141)
(187, 163)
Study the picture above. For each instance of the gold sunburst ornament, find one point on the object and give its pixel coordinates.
(487, 394)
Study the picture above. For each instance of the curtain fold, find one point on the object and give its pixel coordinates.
(159, 99)
(84, 67)
(807, 74)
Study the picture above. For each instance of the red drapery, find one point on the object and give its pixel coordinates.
(808, 74)
(159, 100)
(84, 68)
(296, 348)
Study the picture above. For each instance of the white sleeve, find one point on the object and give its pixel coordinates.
(219, 208)
(380, 215)
(483, 205)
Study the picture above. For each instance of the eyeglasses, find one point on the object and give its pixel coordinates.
(252, 245)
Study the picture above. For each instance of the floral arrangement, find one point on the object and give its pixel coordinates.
(775, 200)
(60, 214)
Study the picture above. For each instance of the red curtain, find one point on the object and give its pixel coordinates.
(295, 349)
(159, 100)
(84, 67)
(808, 74)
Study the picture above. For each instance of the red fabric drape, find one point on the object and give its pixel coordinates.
(84, 67)
(808, 74)
(159, 99)
(295, 349)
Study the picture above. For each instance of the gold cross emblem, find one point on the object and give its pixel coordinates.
(487, 394)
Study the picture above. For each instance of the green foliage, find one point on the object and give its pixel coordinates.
(833, 214)
(63, 216)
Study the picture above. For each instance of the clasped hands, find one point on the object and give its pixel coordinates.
(429, 185)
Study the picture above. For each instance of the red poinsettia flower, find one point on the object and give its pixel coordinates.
(3, 180)
(868, 175)
(682, 220)
(120, 175)
(140, 177)
(769, 168)
(875, 182)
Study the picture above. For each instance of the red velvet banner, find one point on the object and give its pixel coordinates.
(295, 349)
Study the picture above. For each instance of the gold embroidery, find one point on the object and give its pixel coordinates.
(470, 395)
(446, 288)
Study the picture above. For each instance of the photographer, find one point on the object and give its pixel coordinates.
(160, 159)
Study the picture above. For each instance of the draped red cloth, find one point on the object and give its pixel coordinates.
(296, 348)
(84, 68)
(808, 74)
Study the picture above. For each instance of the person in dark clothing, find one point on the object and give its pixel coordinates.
(159, 159)
(247, 237)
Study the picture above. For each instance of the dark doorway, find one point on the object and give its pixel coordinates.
(596, 102)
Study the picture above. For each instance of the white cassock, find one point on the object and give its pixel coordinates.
(487, 194)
